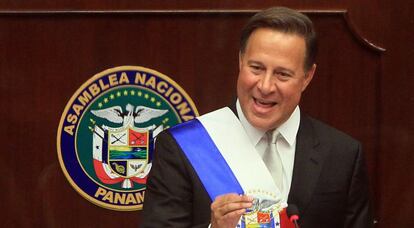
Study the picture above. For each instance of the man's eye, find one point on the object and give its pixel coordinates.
(284, 74)
(256, 68)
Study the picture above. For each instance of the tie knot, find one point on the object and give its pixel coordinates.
(273, 136)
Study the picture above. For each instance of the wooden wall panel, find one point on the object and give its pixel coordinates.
(50, 55)
(47, 55)
(396, 188)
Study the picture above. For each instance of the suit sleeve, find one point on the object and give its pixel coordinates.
(168, 198)
(358, 214)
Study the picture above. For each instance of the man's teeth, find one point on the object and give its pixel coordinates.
(264, 102)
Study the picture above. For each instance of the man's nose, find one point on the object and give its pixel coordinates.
(266, 84)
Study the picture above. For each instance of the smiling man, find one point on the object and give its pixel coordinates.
(243, 166)
(272, 77)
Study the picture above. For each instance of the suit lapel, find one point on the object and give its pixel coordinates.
(234, 108)
(307, 167)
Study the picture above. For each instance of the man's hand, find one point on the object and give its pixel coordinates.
(227, 209)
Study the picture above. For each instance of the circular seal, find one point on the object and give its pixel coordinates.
(106, 133)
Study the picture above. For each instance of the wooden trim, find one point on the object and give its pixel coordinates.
(343, 13)
(355, 32)
(177, 11)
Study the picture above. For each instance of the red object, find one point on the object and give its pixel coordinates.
(139, 180)
(101, 174)
(294, 217)
(284, 220)
(138, 138)
(263, 217)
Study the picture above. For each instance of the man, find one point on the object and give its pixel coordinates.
(307, 163)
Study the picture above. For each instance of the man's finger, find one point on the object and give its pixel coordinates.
(232, 197)
(230, 203)
(235, 214)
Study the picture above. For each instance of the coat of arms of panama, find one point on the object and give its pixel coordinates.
(107, 131)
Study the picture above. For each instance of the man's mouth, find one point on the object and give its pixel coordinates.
(264, 103)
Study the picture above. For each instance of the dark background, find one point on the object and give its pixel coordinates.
(48, 49)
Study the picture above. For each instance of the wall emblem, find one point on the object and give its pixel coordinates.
(107, 131)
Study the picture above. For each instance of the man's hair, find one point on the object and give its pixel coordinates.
(284, 20)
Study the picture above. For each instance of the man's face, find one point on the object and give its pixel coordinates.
(272, 77)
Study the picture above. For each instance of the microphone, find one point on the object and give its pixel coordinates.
(293, 213)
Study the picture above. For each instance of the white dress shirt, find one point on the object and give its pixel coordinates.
(286, 145)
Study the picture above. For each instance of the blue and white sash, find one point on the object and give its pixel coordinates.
(225, 160)
(221, 153)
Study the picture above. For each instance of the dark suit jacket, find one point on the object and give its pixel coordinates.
(329, 185)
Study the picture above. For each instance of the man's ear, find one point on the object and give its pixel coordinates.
(308, 76)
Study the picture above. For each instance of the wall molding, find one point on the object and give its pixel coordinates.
(340, 12)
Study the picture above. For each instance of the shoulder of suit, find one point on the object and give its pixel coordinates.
(326, 132)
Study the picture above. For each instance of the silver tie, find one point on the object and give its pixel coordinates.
(272, 159)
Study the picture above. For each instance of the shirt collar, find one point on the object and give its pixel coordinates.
(254, 134)
(288, 129)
